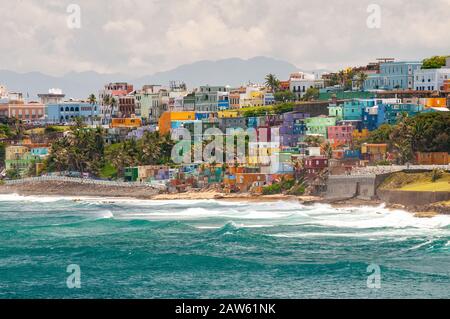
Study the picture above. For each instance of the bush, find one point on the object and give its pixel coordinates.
(297, 190)
(272, 189)
(436, 174)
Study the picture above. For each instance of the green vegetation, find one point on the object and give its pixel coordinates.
(272, 189)
(426, 182)
(311, 94)
(284, 96)
(272, 82)
(425, 132)
(289, 186)
(83, 150)
(108, 171)
(266, 110)
(13, 173)
(435, 62)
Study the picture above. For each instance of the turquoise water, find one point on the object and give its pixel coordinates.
(213, 249)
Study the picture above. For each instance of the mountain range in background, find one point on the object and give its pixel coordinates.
(233, 72)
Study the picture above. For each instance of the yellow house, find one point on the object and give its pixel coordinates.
(364, 133)
(15, 152)
(227, 114)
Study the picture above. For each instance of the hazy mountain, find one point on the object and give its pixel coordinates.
(232, 72)
(76, 85)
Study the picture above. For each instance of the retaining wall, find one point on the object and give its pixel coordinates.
(412, 198)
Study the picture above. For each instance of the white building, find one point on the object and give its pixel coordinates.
(431, 79)
(3, 92)
(300, 82)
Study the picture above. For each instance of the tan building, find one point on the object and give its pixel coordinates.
(23, 111)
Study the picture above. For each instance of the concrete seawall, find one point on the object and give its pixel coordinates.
(412, 198)
(348, 186)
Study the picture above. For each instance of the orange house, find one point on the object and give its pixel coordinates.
(432, 158)
(126, 123)
(436, 102)
(165, 121)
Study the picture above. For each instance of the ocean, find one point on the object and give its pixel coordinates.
(125, 248)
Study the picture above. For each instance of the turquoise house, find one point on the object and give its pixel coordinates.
(353, 110)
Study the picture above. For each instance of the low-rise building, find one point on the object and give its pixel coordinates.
(65, 112)
(32, 111)
(431, 79)
(374, 152)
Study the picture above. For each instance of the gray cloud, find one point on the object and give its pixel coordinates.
(140, 37)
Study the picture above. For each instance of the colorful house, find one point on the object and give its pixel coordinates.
(166, 119)
(319, 125)
(20, 158)
(391, 113)
(132, 122)
(314, 165)
(374, 152)
(393, 75)
(69, 111)
(336, 111)
(342, 135)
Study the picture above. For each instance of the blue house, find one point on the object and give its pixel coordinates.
(391, 113)
(67, 112)
(393, 75)
(370, 118)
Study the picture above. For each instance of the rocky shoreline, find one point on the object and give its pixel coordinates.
(69, 189)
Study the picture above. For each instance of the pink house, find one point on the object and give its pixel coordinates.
(340, 134)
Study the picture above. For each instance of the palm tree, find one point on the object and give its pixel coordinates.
(92, 101)
(272, 82)
(327, 149)
(342, 77)
(361, 78)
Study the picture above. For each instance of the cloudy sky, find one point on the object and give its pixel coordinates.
(138, 37)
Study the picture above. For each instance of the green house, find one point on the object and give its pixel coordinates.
(319, 125)
(131, 174)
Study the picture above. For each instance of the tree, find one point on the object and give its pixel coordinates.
(311, 94)
(360, 79)
(13, 173)
(314, 140)
(272, 82)
(284, 96)
(327, 149)
(435, 62)
(92, 99)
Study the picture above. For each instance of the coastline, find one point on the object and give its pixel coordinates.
(70, 189)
